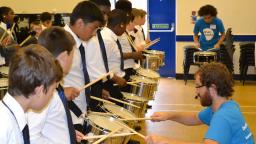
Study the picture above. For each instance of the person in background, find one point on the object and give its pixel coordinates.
(222, 115)
(33, 77)
(46, 20)
(105, 8)
(209, 26)
(55, 119)
(139, 34)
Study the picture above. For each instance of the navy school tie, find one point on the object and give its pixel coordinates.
(85, 72)
(121, 54)
(69, 119)
(25, 133)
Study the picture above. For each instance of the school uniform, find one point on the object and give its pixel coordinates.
(54, 123)
(13, 126)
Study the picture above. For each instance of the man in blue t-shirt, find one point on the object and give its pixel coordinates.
(209, 26)
(214, 88)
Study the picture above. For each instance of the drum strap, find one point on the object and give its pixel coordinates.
(74, 108)
(103, 50)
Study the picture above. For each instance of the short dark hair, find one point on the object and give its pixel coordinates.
(124, 5)
(207, 10)
(219, 75)
(102, 2)
(116, 17)
(56, 40)
(45, 16)
(87, 11)
(31, 67)
(4, 10)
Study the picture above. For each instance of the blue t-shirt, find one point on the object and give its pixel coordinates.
(227, 125)
(209, 32)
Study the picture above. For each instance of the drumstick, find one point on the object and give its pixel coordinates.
(117, 100)
(100, 136)
(102, 100)
(106, 136)
(135, 119)
(134, 131)
(2, 37)
(98, 79)
(130, 41)
(32, 34)
(101, 113)
(152, 43)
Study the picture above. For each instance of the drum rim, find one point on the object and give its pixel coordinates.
(143, 99)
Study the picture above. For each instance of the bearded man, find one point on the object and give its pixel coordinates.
(226, 123)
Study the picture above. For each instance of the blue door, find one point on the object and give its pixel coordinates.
(162, 24)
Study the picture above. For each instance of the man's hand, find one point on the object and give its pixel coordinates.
(71, 93)
(216, 46)
(154, 139)
(79, 136)
(105, 94)
(160, 116)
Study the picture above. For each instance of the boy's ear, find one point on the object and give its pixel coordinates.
(39, 90)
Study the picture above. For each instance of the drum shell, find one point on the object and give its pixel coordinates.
(151, 62)
(204, 57)
(139, 112)
(97, 130)
(146, 90)
(160, 54)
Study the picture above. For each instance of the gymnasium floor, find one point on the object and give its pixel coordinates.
(174, 95)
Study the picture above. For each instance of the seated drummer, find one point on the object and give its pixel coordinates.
(226, 123)
(55, 119)
(209, 26)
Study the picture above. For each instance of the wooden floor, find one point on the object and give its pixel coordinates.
(174, 95)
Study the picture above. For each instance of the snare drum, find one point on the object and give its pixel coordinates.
(151, 62)
(204, 57)
(160, 54)
(148, 73)
(121, 112)
(3, 87)
(105, 124)
(136, 100)
(144, 87)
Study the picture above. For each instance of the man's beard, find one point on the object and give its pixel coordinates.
(206, 99)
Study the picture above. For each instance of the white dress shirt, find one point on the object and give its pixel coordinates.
(94, 60)
(50, 125)
(139, 38)
(113, 53)
(3, 25)
(11, 127)
(126, 48)
(75, 77)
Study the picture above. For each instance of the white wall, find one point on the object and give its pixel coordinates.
(237, 14)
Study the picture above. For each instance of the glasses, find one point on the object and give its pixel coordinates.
(197, 87)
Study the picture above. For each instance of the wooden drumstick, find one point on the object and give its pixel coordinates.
(95, 81)
(152, 43)
(134, 131)
(29, 37)
(135, 119)
(102, 100)
(2, 37)
(100, 136)
(106, 136)
(123, 102)
(101, 113)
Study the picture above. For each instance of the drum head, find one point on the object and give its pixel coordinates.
(4, 70)
(119, 111)
(142, 79)
(134, 97)
(105, 122)
(148, 73)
